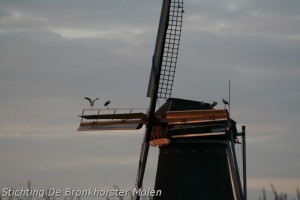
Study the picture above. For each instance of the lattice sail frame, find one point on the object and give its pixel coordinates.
(170, 54)
(166, 50)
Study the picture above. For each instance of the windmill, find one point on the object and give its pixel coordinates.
(197, 158)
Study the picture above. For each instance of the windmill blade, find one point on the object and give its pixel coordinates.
(166, 49)
(163, 70)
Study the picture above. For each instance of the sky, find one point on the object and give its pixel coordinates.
(53, 53)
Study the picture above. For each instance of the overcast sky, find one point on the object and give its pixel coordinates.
(55, 52)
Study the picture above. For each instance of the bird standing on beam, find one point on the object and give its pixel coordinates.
(107, 103)
(91, 101)
(225, 102)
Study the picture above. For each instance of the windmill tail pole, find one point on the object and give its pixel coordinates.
(244, 162)
(229, 97)
(237, 175)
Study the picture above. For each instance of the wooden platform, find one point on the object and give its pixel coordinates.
(126, 119)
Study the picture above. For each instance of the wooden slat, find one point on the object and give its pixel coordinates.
(116, 116)
(110, 127)
(196, 113)
(197, 135)
(112, 122)
(195, 116)
(192, 120)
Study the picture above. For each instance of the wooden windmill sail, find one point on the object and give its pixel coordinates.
(197, 157)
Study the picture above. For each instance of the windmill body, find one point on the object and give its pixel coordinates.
(197, 158)
(197, 163)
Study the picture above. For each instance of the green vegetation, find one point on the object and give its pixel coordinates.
(277, 195)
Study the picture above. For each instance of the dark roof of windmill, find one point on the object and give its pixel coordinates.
(175, 104)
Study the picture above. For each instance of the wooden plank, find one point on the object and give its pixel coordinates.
(110, 127)
(192, 120)
(112, 122)
(116, 116)
(232, 173)
(197, 135)
(195, 116)
(197, 113)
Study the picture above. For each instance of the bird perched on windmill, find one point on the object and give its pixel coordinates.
(225, 102)
(107, 103)
(91, 101)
